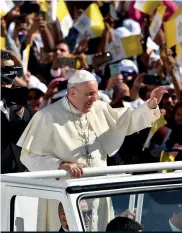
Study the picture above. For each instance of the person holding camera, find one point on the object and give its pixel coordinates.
(15, 115)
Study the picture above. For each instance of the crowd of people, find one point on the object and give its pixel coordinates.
(53, 58)
(68, 101)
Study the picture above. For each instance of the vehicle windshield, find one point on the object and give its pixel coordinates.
(154, 211)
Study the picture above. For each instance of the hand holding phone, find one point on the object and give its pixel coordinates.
(66, 61)
(114, 69)
(42, 14)
(102, 59)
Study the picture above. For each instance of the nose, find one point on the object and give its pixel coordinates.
(170, 100)
(58, 52)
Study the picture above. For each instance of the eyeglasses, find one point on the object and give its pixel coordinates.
(167, 96)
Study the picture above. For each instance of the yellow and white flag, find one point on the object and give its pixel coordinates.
(2, 43)
(43, 5)
(155, 126)
(5, 7)
(147, 6)
(125, 47)
(90, 22)
(166, 157)
(25, 59)
(173, 29)
(64, 17)
(157, 21)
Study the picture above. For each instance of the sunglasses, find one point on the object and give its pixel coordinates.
(166, 96)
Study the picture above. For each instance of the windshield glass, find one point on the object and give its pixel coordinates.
(150, 211)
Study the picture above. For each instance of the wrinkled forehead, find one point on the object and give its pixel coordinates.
(89, 86)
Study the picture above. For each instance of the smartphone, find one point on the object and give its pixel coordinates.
(102, 59)
(64, 61)
(42, 14)
(29, 8)
(115, 69)
(152, 79)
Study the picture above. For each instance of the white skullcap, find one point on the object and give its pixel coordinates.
(121, 32)
(132, 26)
(128, 66)
(39, 86)
(33, 80)
(81, 76)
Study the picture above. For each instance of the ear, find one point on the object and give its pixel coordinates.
(73, 91)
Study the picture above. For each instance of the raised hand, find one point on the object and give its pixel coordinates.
(156, 96)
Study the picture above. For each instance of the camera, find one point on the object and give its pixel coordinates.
(8, 73)
(14, 96)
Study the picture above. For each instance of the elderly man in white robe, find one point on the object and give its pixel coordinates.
(80, 131)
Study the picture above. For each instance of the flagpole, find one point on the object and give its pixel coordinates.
(53, 10)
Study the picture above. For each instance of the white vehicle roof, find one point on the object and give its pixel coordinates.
(110, 176)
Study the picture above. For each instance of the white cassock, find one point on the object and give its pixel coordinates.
(57, 133)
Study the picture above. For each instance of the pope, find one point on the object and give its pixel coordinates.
(79, 130)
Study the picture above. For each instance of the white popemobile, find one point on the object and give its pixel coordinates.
(157, 196)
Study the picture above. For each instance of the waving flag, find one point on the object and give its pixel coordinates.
(90, 22)
(125, 47)
(64, 17)
(155, 126)
(173, 29)
(2, 43)
(5, 7)
(157, 21)
(146, 6)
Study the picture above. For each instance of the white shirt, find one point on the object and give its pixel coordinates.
(173, 228)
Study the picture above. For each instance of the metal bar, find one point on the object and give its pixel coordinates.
(100, 171)
(139, 207)
(131, 206)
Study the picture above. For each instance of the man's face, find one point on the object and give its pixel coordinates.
(62, 50)
(169, 100)
(85, 95)
(3, 64)
(176, 220)
(35, 98)
(178, 116)
(63, 220)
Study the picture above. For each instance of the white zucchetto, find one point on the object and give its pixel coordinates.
(81, 76)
